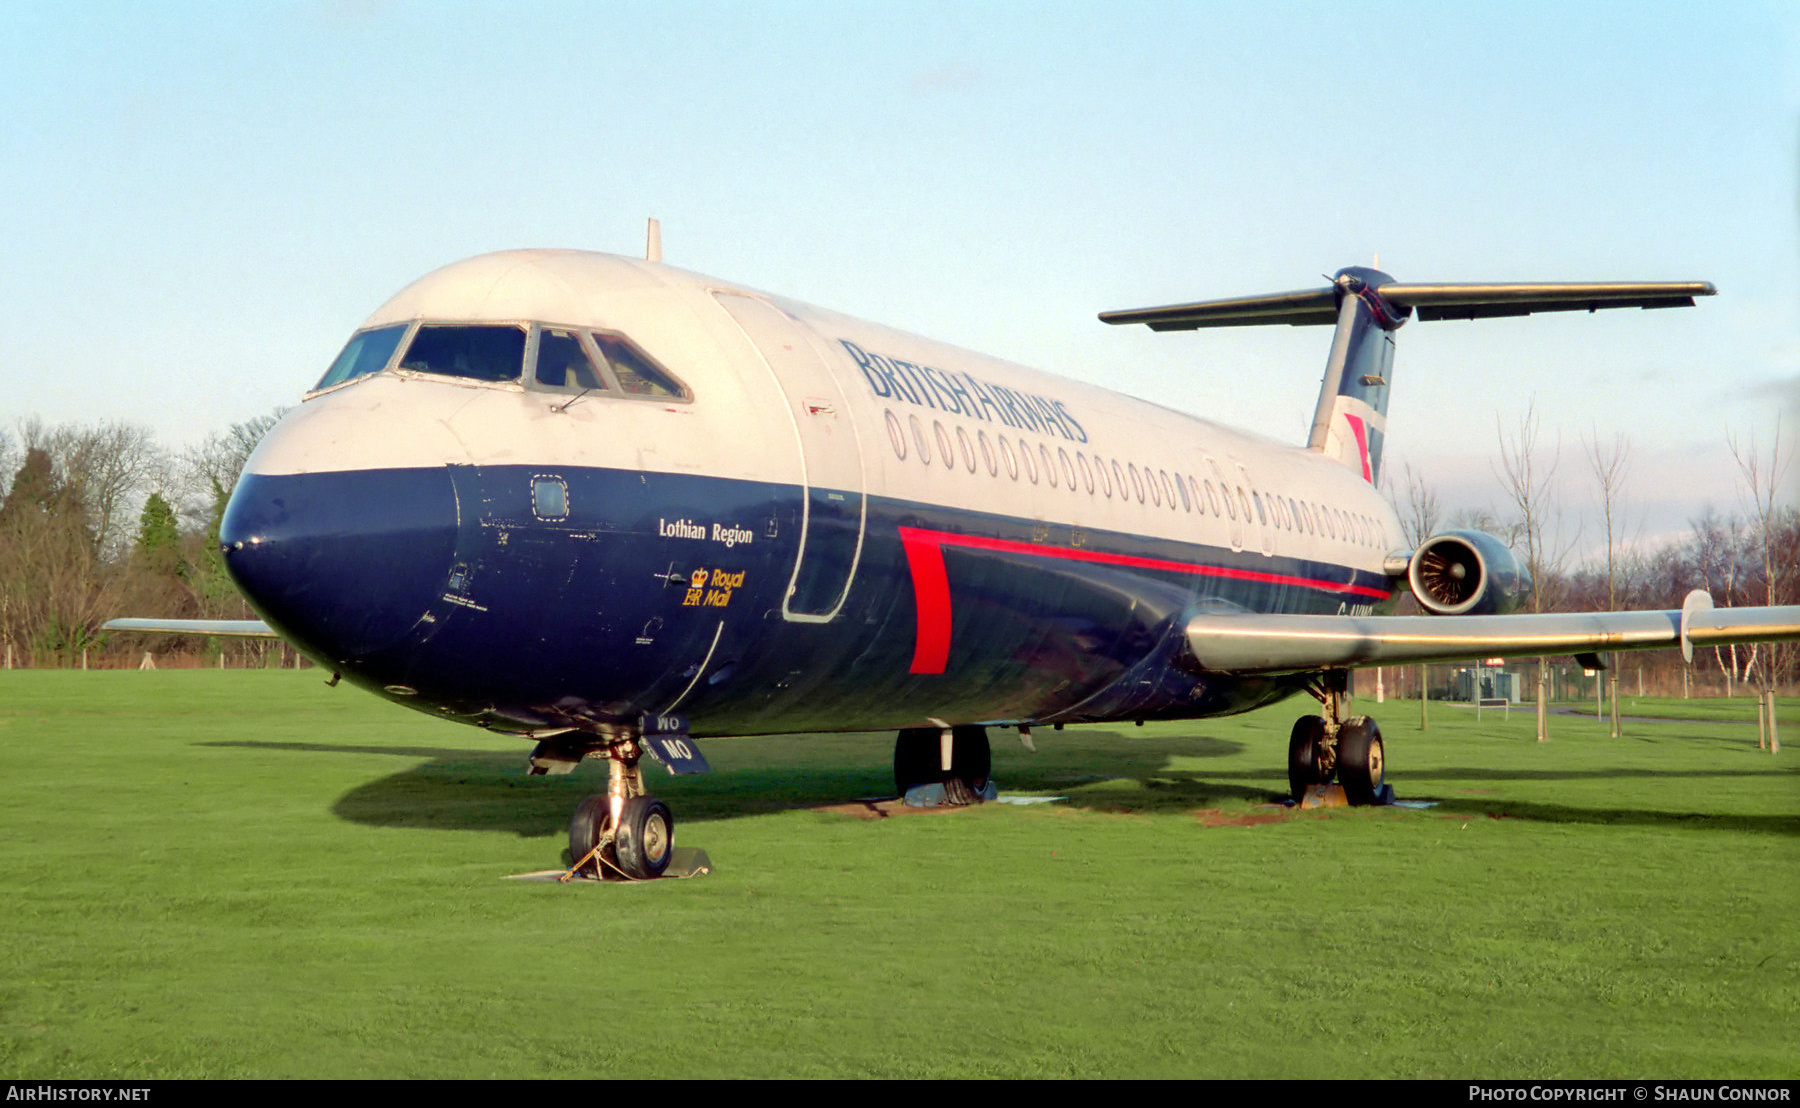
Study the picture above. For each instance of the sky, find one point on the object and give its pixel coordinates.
(202, 201)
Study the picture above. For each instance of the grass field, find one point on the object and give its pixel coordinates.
(247, 874)
(1739, 708)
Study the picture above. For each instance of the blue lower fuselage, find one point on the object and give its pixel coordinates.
(532, 598)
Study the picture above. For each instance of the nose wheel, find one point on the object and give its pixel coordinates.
(623, 833)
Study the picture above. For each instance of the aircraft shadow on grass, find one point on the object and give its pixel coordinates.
(457, 789)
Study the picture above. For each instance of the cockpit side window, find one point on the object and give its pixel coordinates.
(479, 352)
(637, 375)
(563, 363)
(367, 352)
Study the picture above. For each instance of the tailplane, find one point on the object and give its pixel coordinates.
(1368, 306)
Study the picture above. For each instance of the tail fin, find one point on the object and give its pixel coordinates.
(1350, 423)
(1368, 306)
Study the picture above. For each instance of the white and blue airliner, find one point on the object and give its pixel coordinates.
(612, 507)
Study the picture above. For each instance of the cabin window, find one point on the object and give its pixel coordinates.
(1068, 467)
(1150, 479)
(1244, 502)
(968, 449)
(946, 449)
(474, 351)
(1049, 467)
(367, 352)
(1012, 461)
(1087, 471)
(896, 435)
(637, 375)
(987, 454)
(1030, 463)
(1261, 516)
(1162, 475)
(1212, 498)
(919, 439)
(563, 362)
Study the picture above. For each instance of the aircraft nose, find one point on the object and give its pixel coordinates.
(344, 564)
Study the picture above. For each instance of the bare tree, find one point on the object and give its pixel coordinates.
(1419, 518)
(1609, 463)
(1528, 476)
(110, 467)
(54, 591)
(1762, 477)
(1416, 505)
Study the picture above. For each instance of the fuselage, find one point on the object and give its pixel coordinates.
(688, 497)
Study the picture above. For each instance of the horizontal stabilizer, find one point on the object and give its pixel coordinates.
(228, 628)
(1484, 301)
(1431, 302)
(1297, 308)
(1254, 643)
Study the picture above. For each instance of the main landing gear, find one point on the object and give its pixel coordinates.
(623, 832)
(936, 766)
(1337, 744)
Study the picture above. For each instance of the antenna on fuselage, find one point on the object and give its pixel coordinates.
(653, 241)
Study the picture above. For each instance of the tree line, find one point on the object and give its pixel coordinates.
(1746, 559)
(100, 520)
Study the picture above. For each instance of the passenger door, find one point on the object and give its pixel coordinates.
(833, 508)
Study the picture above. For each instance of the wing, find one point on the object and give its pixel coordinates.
(1256, 643)
(229, 628)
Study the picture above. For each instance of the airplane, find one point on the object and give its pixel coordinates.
(613, 507)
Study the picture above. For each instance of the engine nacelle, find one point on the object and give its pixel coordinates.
(1456, 573)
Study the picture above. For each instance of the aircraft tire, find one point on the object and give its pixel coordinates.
(585, 829)
(645, 839)
(1360, 764)
(971, 758)
(918, 760)
(1303, 756)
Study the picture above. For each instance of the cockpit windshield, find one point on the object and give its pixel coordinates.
(366, 352)
(480, 352)
(563, 363)
(561, 359)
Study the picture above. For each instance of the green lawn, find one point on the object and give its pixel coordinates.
(1741, 709)
(246, 874)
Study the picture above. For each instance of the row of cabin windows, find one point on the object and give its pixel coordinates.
(536, 355)
(1156, 487)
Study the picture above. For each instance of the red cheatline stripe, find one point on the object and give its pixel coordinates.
(931, 583)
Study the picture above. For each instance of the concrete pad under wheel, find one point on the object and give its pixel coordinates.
(684, 861)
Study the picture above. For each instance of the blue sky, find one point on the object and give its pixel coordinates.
(202, 201)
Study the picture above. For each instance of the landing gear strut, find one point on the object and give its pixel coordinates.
(623, 832)
(924, 780)
(1337, 744)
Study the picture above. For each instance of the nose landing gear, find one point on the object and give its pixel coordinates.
(624, 832)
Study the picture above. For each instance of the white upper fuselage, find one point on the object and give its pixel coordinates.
(1242, 492)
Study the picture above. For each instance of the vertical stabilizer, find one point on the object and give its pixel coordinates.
(1350, 423)
(1368, 306)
